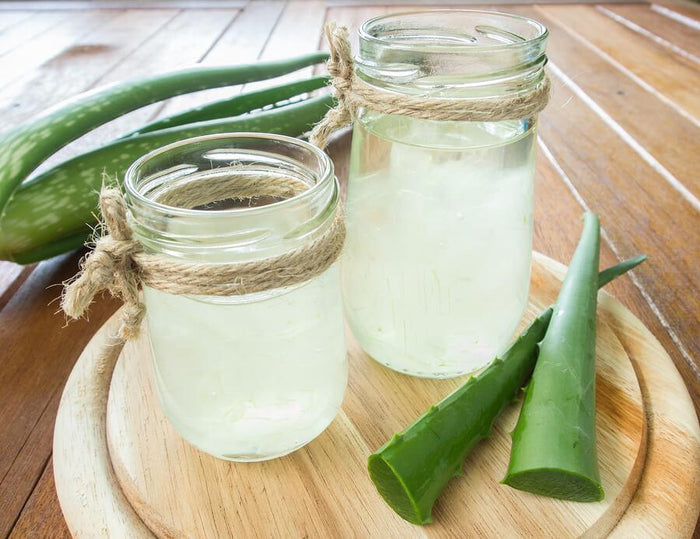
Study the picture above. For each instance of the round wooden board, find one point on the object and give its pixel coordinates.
(323, 489)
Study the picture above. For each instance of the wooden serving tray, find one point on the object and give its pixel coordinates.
(122, 470)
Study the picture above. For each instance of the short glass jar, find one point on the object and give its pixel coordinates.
(248, 377)
(439, 213)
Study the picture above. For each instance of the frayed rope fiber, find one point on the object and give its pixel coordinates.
(352, 92)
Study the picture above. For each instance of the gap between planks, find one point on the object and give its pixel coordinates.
(616, 251)
(647, 33)
(671, 14)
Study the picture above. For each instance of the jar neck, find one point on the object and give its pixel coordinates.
(452, 53)
(232, 226)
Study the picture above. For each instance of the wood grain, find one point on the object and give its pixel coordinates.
(684, 10)
(20, 27)
(11, 277)
(673, 32)
(628, 194)
(17, 483)
(242, 42)
(99, 51)
(674, 442)
(41, 515)
(46, 44)
(298, 30)
(669, 74)
(155, 48)
(621, 99)
(37, 354)
(96, 510)
(8, 21)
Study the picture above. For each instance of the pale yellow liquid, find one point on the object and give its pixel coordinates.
(254, 379)
(436, 266)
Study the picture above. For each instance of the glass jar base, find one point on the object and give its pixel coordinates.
(260, 457)
(435, 374)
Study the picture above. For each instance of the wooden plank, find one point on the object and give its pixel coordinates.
(81, 66)
(12, 19)
(241, 43)
(48, 44)
(352, 18)
(621, 101)
(557, 201)
(298, 31)
(640, 212)
(680, 38)
(33, 375)
(21, 26)
(670, 75)
(247, 35)
(687, 13)
(182, 41)
(41, 516)
(18, 483)
(11, 277)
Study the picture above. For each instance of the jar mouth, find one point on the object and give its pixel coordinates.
(184, 199)
(410, 31)
(322, 173)
(452, 54)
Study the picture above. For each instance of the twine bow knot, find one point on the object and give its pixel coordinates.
(110, 266)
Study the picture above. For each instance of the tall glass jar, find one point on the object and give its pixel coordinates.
(439, 213)
(254, 376)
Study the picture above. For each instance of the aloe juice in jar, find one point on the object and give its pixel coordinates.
(437, 261)
(256, 375)
(250, 379)
(439, 203)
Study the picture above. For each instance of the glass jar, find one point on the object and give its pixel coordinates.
(255, 376)
(436, 267)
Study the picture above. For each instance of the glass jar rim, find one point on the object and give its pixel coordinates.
(364, 32)
(326, 174)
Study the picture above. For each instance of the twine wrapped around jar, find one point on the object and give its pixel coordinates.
(352, 93)
(120, 265)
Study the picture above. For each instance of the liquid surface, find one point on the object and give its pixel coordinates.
(437, 260)
(253, 380)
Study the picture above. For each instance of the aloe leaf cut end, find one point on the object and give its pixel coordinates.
(557, 483)
(391, 487)
(413, 468)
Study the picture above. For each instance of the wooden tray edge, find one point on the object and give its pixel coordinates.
(89, 494)
(92, 500)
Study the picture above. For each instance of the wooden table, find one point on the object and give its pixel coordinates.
(621, 137)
